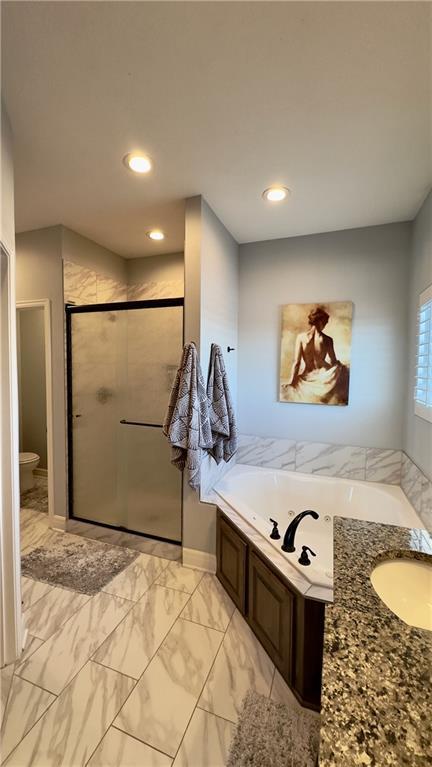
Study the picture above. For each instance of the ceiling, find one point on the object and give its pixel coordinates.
(330, 99)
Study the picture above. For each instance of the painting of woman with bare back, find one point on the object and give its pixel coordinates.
(315, 364)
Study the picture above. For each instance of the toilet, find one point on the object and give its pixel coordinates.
(28, 462)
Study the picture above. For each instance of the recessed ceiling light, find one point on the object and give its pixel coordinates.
(276, 193)
(156, 234)
(139, 163)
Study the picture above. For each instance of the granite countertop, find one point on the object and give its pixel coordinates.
(377, 671)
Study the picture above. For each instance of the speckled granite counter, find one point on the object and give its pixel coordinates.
(377, 674)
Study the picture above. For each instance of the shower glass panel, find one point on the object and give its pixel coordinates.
(122, 363)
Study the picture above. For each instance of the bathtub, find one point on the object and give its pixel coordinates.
(258, 494)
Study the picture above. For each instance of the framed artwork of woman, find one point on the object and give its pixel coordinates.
(316, 353)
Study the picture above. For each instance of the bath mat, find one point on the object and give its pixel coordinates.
(36, 498)
(80, 565)
(271, 734)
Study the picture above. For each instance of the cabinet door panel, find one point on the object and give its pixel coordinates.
(270, 613)
(231, 562)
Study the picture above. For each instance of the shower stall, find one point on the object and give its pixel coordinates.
(121, 363)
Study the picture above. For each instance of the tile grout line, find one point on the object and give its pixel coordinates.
(204, 684)
(33, 725)
(45, 639)
(139, 679)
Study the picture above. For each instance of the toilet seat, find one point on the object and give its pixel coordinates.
(28, 457)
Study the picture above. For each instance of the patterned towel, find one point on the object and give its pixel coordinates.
(222, 418)
(187, 423)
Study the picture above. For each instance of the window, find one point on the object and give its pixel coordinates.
(423, 382)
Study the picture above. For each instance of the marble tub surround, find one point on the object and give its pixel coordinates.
(279, 560)
(370, 464)
(377, 671)
(418, 489)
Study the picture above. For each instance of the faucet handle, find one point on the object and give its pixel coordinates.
(304, 559)
(275, 534)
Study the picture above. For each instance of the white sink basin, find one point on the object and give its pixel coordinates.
(405, 586)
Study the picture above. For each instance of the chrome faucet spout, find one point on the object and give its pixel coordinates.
(289, 537)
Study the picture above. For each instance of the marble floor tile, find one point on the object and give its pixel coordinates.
(159, 709)
(209, 605)
(135, 579)
(241, 664)
(69, 732)
(26, 704)
(120, 750)
(161, 549)
(135, 640)
(206, 742)
(31, 645)
(52, 610)
(6, 676)
(175, 576)
(57, 661)
(280, 692)
(34, 530)
(32, 591)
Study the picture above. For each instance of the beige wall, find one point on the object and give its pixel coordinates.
(418, 431)
(32, 383)
(39, 274)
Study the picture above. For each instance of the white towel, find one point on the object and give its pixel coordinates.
(186, 423)
(222, 417)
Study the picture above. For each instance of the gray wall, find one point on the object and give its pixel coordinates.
(32, 383)
(418, 431)
(211, 314)
(367, 266)
(39, 274)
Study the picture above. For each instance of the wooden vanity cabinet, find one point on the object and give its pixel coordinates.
(289, 626)
(231, 553)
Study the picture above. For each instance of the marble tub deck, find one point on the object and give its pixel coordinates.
(377, 670)
(150, 672)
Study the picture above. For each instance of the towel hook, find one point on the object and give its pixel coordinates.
(230, 348)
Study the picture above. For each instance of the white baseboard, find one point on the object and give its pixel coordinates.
(200, 560)
(57, 522)
(41, 472)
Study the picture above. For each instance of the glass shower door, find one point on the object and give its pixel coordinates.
(123, 360)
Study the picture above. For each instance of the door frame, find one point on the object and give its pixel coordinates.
(70, 309)
(45, 304)
(12, 633)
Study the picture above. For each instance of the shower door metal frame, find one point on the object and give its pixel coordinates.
(70, 309)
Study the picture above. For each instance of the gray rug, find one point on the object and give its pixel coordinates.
(37, 497)
(270, 734)
(80, 565)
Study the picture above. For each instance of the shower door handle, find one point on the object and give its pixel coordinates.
(140, 423)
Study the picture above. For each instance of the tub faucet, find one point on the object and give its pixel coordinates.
(288, 541)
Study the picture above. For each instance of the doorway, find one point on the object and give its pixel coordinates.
(35, 406)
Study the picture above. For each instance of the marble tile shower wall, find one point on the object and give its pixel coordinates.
(371, 464)
(85, 286)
